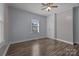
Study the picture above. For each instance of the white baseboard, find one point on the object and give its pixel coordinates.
(25, 40)
(7, 46)
(62, 40)
(2, 44)
(76, 42)
(65, 41)
(32, 39)
(4, 54)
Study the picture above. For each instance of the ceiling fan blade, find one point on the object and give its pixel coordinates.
(44, 4)
(54, 6)
(50, 4)
(43, 8)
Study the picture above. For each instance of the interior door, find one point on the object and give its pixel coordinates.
(51, 26)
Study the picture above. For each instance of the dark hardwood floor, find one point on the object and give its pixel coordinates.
(43, 47)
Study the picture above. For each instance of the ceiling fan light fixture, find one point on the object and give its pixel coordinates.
(48, 8)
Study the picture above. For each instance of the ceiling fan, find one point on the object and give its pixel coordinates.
(48, 6)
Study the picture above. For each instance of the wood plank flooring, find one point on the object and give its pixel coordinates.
(43, 47)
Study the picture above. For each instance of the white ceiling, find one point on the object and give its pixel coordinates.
(36, 7)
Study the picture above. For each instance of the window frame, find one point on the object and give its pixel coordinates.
(37, 25)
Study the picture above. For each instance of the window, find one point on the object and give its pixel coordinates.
(35, 25)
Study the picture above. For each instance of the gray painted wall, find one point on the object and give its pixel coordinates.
(65, 25)
(76, 24)
(4, 17)
(60, 26)
(21, 28)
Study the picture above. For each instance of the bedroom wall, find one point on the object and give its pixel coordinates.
(21, 28)
(76, 24)
(65, 26)
(4, 17)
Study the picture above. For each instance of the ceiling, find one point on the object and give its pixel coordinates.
(36, 7)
